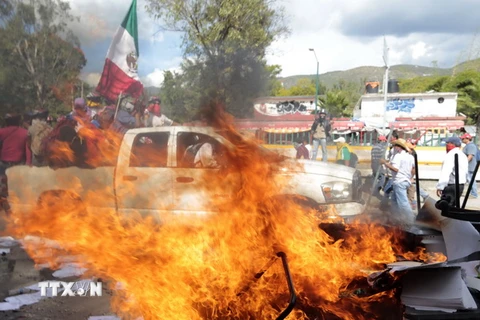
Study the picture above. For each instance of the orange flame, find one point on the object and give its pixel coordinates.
(205, 268)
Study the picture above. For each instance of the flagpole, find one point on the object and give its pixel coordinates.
(118, 104)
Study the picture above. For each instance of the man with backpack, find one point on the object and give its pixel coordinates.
(471, 152)
(37, 132)
(345, 155)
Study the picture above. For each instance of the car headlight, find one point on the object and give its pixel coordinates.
(337, 191)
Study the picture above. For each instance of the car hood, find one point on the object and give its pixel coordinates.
(321, 168)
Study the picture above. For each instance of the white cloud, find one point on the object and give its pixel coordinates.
(91, 78)
(329, 26)
(154, 79)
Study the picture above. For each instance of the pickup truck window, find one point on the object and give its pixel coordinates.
(150, 150)
(188, 146)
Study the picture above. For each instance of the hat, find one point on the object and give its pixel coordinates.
(79, 103)
(401, 143)
(340, 140)
(382, 138)
(454, 140)
(322, 111)
(410, 145)
(466, 136)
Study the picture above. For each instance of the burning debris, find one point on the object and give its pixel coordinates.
(250, 260)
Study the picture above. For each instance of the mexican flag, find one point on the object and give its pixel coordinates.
(120, 70)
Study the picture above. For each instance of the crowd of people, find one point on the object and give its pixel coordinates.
(394, 167)
(82, 138)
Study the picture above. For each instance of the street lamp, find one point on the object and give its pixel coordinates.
(316, 81)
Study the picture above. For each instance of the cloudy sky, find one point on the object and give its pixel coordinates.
(344, 33)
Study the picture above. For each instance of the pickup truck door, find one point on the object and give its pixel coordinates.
(192, 192)
(144, 178)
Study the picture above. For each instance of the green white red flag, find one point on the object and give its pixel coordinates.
(120, 73)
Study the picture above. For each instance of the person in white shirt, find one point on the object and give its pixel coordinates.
(402, 167)
(155, 116)
(205, 157)
(446, 182)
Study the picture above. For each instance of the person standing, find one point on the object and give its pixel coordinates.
(470, 151)
(377, 154)
(412, 190)
(446, 182)
(320, 131)
(14, 151)
(401, 167)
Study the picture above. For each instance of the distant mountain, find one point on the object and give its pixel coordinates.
(369, 73)
(152, 91)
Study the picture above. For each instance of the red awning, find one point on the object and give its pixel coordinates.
(425, 125)
(347, 125)
(274, 126)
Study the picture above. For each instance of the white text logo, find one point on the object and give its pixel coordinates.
(70, 289)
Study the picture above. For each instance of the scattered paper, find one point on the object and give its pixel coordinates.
(438, 288)
(103, 318)
(4, 251)
(412, 265)
(15, 302)
(7, 242)
(461, 238)
(69, 270)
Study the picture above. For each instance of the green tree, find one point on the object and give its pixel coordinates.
(337, 103)
(41, 56)
(303, 87)
(225, 41)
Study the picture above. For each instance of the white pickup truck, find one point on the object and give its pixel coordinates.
(151, 178)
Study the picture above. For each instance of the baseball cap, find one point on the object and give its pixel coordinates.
(466, 136)
(340, 140)
(79, 103)
(382, 138)
(454, 140)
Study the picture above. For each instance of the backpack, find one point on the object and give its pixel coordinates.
(353, 160)
(189, 155)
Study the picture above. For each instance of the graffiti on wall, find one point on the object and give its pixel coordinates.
(282, 108)
(401, 105)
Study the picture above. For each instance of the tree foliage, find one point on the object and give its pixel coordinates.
(41, 57)
(224, 45)
(303, 87)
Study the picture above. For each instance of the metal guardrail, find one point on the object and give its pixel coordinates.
(354, 138)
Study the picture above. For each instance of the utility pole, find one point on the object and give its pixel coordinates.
(316, 81)
(385, 84)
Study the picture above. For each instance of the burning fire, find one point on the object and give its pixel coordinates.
(206, 268)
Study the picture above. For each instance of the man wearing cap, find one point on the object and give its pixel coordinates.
(446, 182)
(155, 116)
(320, 131)
(401, 167)
(343, 152)
(470, 151)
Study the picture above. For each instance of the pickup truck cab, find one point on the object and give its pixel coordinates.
(152, 178)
